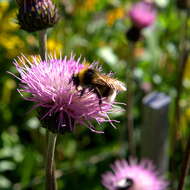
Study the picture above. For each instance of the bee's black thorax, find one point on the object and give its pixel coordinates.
(88, 79)
(128, 184)
(88, 76)
(76, 80)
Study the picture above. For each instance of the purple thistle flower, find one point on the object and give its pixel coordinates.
(61, 106)
(133, 176)
(142, 14)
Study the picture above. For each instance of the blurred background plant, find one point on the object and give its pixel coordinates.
(95, 29)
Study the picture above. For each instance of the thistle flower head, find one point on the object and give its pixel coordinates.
(142, 14)
(36, 15)
(61, 106)
(133, 176)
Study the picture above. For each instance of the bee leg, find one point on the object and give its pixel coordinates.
(70, 80)
(77, 87)
(82, 92)
(97, 92)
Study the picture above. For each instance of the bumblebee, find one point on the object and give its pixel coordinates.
(102, 85)
(124, 184)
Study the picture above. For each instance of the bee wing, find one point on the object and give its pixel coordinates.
(105, 80)
(120, 86)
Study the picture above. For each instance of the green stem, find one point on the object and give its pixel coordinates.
(128, 128)
(180, 70)
(130, 98)
(185, 166)
(50, 176)
(51, 137)
(43, 44)
(179, 86)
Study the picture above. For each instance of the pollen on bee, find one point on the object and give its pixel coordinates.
(123, 87)
(112, 96)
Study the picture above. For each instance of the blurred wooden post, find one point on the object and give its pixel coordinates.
(154, 136)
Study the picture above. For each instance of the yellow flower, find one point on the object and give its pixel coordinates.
(86, 5)
(54, 46)
(187, 113)
(12, 43)
(187, 70)
(7, 22)
(184, 130)
(114, 15)
(8, 86)
(3, 7)
(89, 5)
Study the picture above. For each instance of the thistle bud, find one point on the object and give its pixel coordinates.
(183, 4)
(142, 15)
(36, 15)
(133, 34)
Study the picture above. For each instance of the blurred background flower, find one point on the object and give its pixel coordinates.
(142, 14)
(133, 176)
(54, 46)
(9, 41)
(115, 14)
